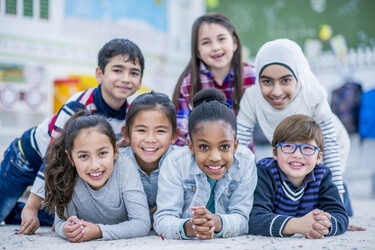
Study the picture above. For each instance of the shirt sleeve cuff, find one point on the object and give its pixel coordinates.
(222, 227)
(182, 231)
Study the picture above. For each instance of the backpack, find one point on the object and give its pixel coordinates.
(367, 115)
(345, 103)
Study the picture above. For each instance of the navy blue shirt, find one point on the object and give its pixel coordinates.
(277, 200)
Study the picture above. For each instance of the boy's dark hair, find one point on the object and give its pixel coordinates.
(210, 105)
(123, 47)
(151, 101)
(194, 64)
(60, 173)
(298, 128)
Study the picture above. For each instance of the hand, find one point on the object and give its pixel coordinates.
(203, 223)
(153, 210)
(301, 225)
(356, 228)
(29, 216)
(91, 231)
(73, 229)
(321, 226)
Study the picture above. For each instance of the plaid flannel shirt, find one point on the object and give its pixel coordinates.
(185, 107)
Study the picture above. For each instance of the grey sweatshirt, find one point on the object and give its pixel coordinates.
(119, 207)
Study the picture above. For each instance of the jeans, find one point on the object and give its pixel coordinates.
(347, 203)
(15, 176)
(45, 219)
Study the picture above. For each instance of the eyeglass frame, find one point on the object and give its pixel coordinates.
(281, 144)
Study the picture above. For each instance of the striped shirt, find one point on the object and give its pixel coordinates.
(331, 155)
(208, 81)
(277, 200)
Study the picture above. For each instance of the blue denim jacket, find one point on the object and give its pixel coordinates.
(182, 185)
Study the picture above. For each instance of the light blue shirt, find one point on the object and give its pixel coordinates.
(182, 184)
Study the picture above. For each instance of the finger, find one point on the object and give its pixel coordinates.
(318, 226)
(201, 229)
(69, 228)
(356, 228)
(209, 223)
(315, 234)
(75, 233)
(316, 211)
(325, 223)
(207, 235)
(328, 215)
(199, 221)
(28, 228)
(72, 218)
(79, 238)
(307, 235)
(321, 217)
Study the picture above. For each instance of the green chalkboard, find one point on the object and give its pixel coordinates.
(259, 21)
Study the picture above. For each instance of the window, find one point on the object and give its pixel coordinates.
(11, 7)
(28, 8)
(44, 9)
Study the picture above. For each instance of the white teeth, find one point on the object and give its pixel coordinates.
(215, 56)
(95, 174)
(296, 164)
(149, 149)
(214, 167)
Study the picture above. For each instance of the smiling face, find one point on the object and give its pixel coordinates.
(213, 143)
(216, 47)
(120, 79)
(93, 156)
(296, 165)
(278, 85)
(151, 135)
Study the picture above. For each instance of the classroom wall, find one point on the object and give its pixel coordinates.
(35, 51)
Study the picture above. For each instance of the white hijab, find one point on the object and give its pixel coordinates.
(310, 97)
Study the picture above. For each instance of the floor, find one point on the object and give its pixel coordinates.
(359, 176)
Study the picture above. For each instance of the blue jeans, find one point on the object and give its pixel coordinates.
(347, 203)
(16, 175)
(45, 219)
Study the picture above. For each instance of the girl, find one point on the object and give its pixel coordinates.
(286, 86)
(216, 62)
(206, 189)
(95, 191)
(151, 128)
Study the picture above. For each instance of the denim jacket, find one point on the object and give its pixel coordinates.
(182, 185)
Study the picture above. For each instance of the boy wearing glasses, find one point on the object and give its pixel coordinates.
(295, 194)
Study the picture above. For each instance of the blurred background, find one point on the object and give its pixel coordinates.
(48, 51)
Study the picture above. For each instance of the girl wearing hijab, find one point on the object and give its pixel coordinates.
(286, 86)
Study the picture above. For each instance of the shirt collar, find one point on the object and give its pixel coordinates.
(310, 177)
(204, 70)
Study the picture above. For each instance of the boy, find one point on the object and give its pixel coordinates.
(119, 74)
(295, 194)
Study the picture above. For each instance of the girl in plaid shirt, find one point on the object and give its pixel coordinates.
(216, 62)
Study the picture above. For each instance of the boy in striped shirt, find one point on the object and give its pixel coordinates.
(119, 75)
(295, 194)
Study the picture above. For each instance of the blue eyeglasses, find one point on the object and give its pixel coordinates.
(290, 148)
